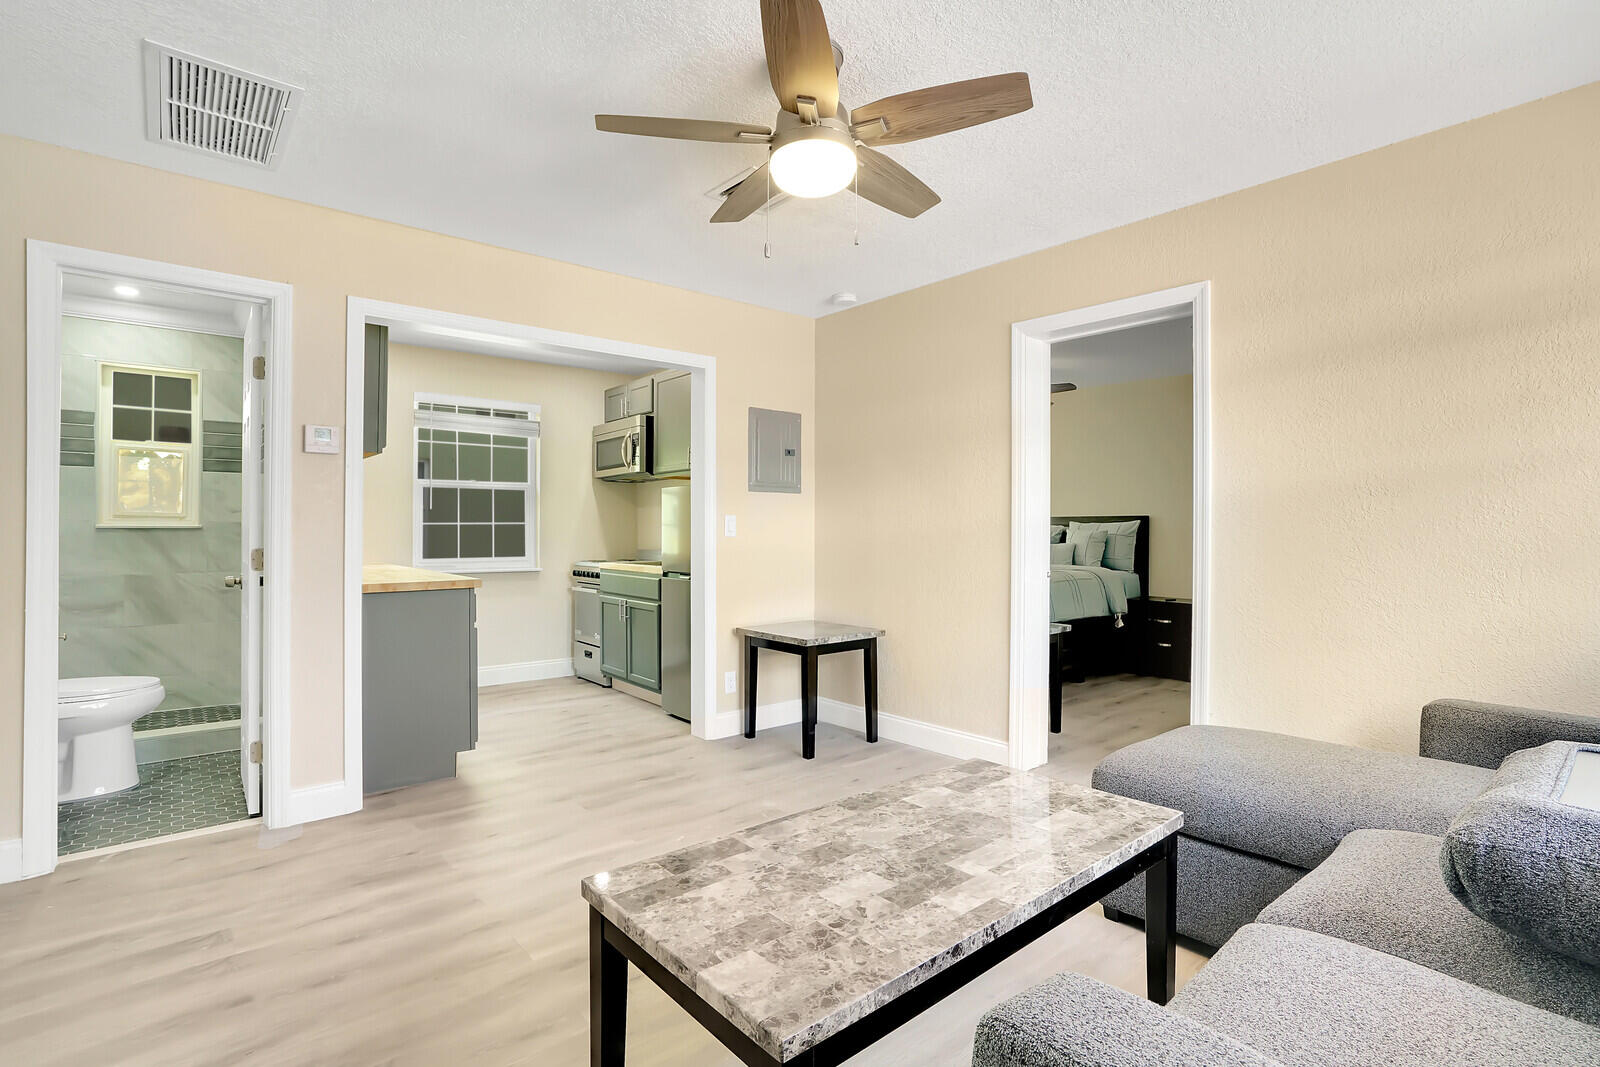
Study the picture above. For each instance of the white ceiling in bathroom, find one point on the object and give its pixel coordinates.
(475, 119)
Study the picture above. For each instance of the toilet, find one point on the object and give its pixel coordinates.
(94, 733)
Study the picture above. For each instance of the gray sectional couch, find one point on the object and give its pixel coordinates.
(1371, 908)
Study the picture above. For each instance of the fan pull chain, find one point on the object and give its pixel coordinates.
(857, 180)
(766, 212)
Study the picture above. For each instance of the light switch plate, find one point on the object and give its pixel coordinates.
(730, 526)
(323, 439)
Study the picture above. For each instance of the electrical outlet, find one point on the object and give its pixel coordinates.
(730, 526)
(730, 682)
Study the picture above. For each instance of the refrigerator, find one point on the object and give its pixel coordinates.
(676, 527)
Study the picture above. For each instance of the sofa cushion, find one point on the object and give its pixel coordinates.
(1073, 1021)
(1383, 889)
(1306, 998)
(1527, 860)
(1287, 798)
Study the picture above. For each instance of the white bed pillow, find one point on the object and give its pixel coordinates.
(1058, 534)
(1061, 553)
(1120, 541)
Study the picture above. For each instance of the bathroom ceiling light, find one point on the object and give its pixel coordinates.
(128, 291)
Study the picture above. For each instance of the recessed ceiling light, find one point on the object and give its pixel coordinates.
(125, 290)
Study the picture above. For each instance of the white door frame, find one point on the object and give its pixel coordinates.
(534, 343)
(47, 265)
(1030, 499)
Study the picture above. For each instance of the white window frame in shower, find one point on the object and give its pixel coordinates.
(48, 265)
(107, 445)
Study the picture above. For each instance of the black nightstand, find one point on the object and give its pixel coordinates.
(1166, 627)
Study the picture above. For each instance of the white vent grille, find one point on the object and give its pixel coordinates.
(214, 108)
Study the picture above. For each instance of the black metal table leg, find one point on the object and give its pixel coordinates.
(1160, 923)
(869, 657)
(808, 703)
(751, 655)
(608, 997)
(1055, 686)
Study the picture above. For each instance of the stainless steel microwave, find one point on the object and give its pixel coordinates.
(622, 449)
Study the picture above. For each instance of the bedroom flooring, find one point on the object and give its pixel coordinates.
(1103, 714)
(442, 924)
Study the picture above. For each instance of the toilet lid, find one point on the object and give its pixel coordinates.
(75, 689)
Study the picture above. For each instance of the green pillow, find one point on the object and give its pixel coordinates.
(1120, 540)
(1088, 544)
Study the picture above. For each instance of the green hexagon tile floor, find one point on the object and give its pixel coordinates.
(171, 797)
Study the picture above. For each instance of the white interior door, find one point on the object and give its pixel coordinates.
(252, 469)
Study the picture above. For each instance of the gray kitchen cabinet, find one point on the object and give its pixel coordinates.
(616, 403)
(630, 640)
(375, 406)
(419, 704)
(644, 644)
(671, 430)
(613, 638)
(641, 397)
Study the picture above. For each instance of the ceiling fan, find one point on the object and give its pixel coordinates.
(817, 146)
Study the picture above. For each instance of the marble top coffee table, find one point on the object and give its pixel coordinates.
(805, 939)
(810, 639)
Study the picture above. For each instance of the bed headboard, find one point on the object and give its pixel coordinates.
(1141, 542)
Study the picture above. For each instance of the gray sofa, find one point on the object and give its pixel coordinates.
(1477, 944)
(1261, 809)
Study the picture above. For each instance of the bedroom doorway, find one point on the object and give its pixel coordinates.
(1111, 450)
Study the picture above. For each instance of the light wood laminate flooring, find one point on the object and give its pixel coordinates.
(442, 924)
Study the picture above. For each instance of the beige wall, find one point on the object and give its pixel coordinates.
(1406, 406)
(764, 358)
(1128, 449)
(523, 617)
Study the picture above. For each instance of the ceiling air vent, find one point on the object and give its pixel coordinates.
(214, 108)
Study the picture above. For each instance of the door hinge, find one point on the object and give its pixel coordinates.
(255, 752)
(258, 368)
(258, 559)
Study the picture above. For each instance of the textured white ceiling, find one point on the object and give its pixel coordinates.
(475, 119)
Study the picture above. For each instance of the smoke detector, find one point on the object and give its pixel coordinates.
(210, 107)
(843, 299)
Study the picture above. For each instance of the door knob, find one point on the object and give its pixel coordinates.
(233, 581)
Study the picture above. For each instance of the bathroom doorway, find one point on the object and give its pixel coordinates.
(149, 536)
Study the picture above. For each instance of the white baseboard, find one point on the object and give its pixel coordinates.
(318, 802)
(532, 671)
(958, 744)
(11, 860)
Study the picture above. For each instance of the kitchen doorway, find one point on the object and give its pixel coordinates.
(416, 327)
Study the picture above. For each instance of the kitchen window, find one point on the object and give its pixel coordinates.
(147, 465)
(475, 504)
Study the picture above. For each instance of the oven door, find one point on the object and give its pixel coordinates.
(619, 449)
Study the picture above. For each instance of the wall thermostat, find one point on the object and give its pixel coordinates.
(322, 439)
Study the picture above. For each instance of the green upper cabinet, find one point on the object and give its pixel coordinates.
(671, 451)
(375, 419)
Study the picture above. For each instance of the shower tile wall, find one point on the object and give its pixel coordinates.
(152, 601)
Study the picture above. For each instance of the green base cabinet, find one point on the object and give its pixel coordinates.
(630, 640)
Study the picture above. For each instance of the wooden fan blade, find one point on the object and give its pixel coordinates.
(747, 197)
(941, 109)
(800, 54)
(682, 129)
(888, 184)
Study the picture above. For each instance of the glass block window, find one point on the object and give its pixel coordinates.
(476, 500)
(147, 463)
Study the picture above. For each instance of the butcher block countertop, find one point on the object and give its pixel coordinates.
(393, 578)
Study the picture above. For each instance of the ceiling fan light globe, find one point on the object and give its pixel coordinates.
(813, 167)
